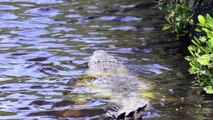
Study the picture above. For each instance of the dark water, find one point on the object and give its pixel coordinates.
(44, 45)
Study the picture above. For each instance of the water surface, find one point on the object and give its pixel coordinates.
(44, 45)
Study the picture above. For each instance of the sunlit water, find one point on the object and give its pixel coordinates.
(45, 44)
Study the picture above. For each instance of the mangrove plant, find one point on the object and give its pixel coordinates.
(192, 19)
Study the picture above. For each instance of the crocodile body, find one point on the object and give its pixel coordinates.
(113, 78)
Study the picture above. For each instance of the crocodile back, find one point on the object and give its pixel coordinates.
(114, 79)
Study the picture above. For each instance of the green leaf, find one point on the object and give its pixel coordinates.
(191, 49)
(208, 89)
(210, 44)
(196, 39)
(209, 21)
(193, 41)
(199, 25)
(194, 64)
(201, 20)
(204, 59)
(202, 39)
(210, 34)
(206, 50)
(189, 58)
(166, 27)
(178, 18)
(193, 70)
(205, 29)
(191, 21)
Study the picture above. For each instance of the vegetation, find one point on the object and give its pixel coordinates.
(178, 14)
(186, 18)
(201, 59)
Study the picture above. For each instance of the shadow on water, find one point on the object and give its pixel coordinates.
(45, 44)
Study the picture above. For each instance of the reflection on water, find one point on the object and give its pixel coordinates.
(44, 45)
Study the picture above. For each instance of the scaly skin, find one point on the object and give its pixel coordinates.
(101, 64)
(112, 78)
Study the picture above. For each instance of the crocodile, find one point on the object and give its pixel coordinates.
(114, 79)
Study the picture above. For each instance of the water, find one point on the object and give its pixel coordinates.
(44, 45)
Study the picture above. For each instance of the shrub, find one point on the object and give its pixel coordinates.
(201, 59)
(178, 14)
(185, 17)
(181, 15)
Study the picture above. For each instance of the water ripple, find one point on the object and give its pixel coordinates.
(8, 7)
(43, 20)
(20, 24)
(7, 16)
(43, 12)
(120, 19)
(31, 32)
(35, 1)
(74, 16)
(92, 40)
(124, 28)
(45, 46)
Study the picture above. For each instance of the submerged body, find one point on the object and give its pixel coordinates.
(113, 78)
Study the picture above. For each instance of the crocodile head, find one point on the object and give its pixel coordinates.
(103, 64)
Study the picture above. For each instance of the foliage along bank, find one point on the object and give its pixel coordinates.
(192, 19)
